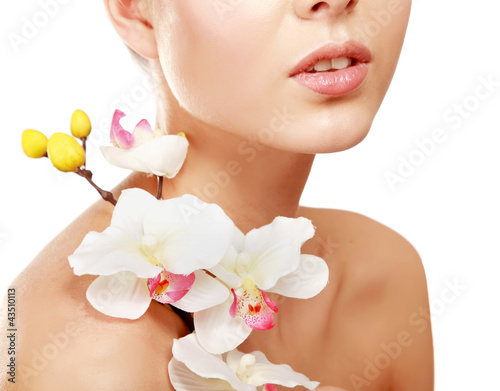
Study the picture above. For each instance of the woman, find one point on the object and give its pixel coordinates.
(254, 88)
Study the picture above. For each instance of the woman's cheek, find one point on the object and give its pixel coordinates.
(217, 71)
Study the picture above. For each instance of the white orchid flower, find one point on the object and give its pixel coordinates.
(155, 249)
(145, 150)
(192, 369)
(266, 259)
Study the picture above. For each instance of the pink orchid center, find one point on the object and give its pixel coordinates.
(120, 138)
(168, 287)
(270, 387)
(123, 139)
(253, 306)
(161, 287)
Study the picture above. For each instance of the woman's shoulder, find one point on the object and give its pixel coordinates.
(64, 342)
(382, 282)
(360, 239)
(372, 257)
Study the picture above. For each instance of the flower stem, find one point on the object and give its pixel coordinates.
(160, 187)
(106, 195)
(84, 145)
(218, 279)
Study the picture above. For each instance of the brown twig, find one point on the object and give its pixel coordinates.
(160, 187)
(84, 145)
(87, 174)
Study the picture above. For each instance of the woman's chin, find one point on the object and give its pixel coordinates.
(327, 140)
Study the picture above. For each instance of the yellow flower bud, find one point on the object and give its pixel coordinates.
(65, 153)
(80, 124)
(34, 143)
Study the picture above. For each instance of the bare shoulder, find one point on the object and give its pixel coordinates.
(365, 244)
(64, 343)
(383, 284)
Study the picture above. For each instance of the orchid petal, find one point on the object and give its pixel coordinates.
(187, 235)
(142, 132)
(228, 262)
(189, 351)
(218, 332)
(307, 281)
(193, 368)
(275, 249)
(117, 248)
(109, 252)
(206, 292)
(130, 210)
(183, 379)
(169, 287)
(121, 295)
(143, 126)
(162, 156)
(119, 136)
(265, 372)
(271, 304)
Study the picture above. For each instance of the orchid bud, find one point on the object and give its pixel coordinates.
(80, 124)
(65, 153)
(34, 143)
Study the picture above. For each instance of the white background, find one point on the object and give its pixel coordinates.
(448, 207)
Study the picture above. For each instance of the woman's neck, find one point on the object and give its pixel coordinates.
(253, 183)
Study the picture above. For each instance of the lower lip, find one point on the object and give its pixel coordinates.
(334, 83)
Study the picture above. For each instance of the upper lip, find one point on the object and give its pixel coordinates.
(353, 49)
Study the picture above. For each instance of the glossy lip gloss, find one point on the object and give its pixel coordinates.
(334, 82)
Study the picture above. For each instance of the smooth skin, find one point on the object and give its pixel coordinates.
(221, 80)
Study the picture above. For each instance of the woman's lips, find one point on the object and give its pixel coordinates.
(334, 82)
